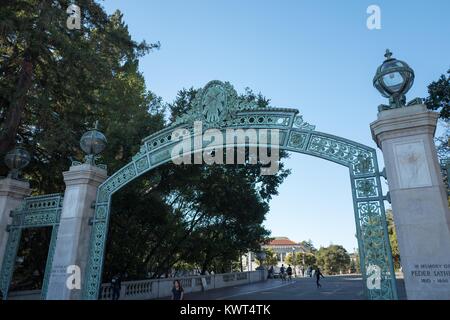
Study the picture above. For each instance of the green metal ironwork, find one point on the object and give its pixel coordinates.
(17, 159)
(218, 106)
(445, 170)
(393, 79)
(36, 211)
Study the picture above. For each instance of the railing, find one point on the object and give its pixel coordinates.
(160, 288)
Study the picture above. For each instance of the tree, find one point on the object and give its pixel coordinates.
(439, 100)
(309, 246)
(204, 228)
(353, 267)
(271, 257)
(393, 239)
(310, 260)
(293, 259)
(333, 259)
(356, 261)
(301, 259)
(55, 82)
(439, 96)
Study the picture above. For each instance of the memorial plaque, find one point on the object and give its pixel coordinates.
(411, 164)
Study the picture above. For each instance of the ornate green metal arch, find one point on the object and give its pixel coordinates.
(218, 106)
(36, 211)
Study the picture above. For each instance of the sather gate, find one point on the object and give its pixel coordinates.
(35, 212)
(218, 106)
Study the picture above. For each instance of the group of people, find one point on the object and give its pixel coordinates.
(116, 285)
(286, 274)
(178, 292)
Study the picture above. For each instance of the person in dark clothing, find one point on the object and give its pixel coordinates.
(318, 275)
(282, 273)
(289, 272)
(270, 276)
(116, 284)
(177, 290)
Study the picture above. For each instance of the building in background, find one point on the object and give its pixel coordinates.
(282, 246)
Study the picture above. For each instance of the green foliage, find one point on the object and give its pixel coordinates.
(353, 267)
(30, 267)
(309, 246)
(439, 99)
(55, 82)
(271, 258)
(333, 259)
(393, 239)
(310, 260)
(301, 259)
(355, 264)
(208, 216)
(293, 259)
(439, 96)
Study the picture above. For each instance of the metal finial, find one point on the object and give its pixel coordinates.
(96, 125)
(388, 54)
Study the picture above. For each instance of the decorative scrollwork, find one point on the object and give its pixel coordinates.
(343, 152)
(9, 260)
(120, 178)
(299, 123)
(218, 105)
(297, 140)
(212, 104)
(364, 164)
(36, 211)
(376, 250)
(48, 264)
(366, 187)
(95, 262)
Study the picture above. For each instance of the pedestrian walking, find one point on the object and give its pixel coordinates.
(116, 284)
(318, 275)
(282, 273)
(289, 272)
(177, 290)
(270, 276)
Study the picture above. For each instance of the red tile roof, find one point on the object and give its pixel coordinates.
(282, 241)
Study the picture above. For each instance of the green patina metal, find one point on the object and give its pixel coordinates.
(219, 106)
(445, 170)
(37, 211)
(393, 79)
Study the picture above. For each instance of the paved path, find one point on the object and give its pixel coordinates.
(333, 288)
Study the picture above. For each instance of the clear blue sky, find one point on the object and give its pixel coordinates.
(317, 56)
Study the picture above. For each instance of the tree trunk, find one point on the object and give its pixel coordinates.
(240, 259)
(205, 264)
(17, 105)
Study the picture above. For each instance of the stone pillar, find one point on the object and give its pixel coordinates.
(419, 198)
(72, 244)
(12, 194)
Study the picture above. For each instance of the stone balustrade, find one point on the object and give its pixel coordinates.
(160, 288)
